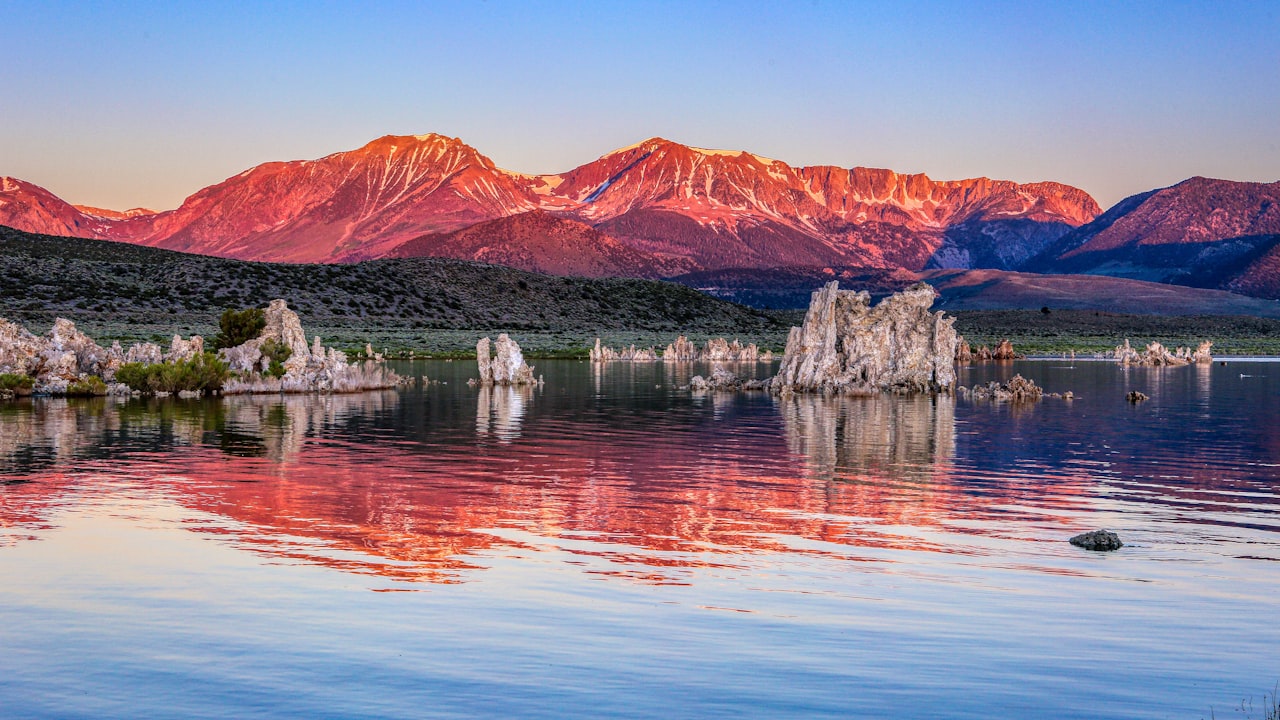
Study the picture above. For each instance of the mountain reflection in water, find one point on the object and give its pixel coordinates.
(620, 467)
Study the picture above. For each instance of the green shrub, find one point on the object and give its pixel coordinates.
(203, 373)
(235, 327)
(92, 386)
(276, 352)
(16, 381)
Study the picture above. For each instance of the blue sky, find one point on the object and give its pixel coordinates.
(137, 104)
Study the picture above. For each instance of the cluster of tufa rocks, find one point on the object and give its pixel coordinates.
(505, 367)
(1003, 351)
(1017, 390)
(848, 346)
(721, 379)
(307, 369)
(683, 350)
(65, 356)
(1157, 355)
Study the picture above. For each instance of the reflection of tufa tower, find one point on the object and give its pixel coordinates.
(880, 437)
(501, 409)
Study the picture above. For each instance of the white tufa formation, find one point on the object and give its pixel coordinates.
(507, 367)
(683, 350)
(848, 346)
(307, 369)
(66, 355)
(1158, 355)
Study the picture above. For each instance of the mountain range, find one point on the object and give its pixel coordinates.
(662, 209)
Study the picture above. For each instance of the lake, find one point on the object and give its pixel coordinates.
(611, 545)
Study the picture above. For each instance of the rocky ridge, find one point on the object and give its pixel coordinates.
(658, 206)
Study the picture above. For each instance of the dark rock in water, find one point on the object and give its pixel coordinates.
(1097, 540)
(1135, 397)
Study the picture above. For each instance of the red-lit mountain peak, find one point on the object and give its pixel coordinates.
(347, 205)
(29, 207)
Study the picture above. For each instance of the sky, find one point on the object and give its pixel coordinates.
(122, 105)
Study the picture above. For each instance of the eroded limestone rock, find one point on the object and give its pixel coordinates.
(180, 350)
(1157, 355)
(848, 346)
(683, 350)
(1017, 390)
(307, 369)
(506, 366)
(19, 349)
(66, 356)
(722, 379)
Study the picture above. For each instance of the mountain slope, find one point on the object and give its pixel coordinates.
(980, 290)
(539, 242)
(687, 207)
(1200, 232)
(42, 277)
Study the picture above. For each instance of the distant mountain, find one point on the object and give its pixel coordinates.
(785, 288)
(679, 206)
(1200, 232)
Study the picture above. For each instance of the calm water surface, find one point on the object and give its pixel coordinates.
(609, 545)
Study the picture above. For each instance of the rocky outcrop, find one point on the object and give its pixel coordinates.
(1017, 390)
(66, 356)
(683, 350)
(1003, 351)
(964, 353)
(19, 349)
(1135, 397)
(848, 346)
(1157, 355)
(181, 350)
(307, 369)
(506, 366)
(1100, 540)
(145, 353)
(720, 350)
(721, 379)
(631, 354)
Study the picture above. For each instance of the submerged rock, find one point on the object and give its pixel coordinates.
(1101, 540)
(847, 346)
